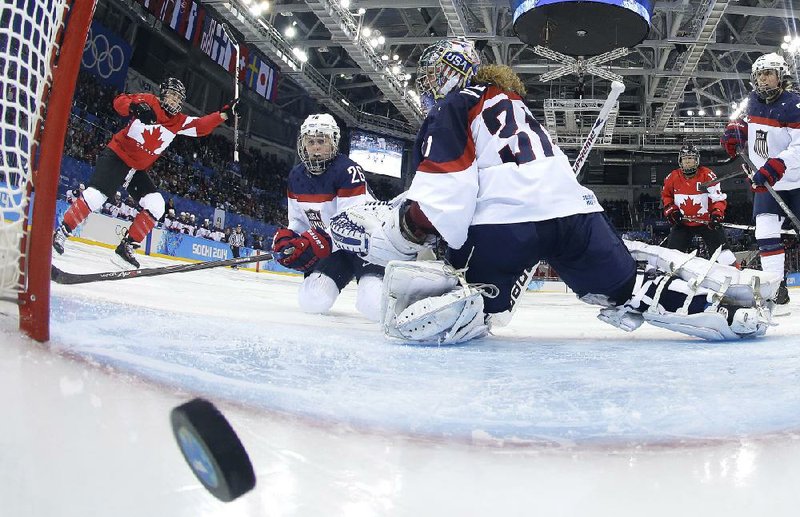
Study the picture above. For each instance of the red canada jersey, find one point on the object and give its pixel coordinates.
(139, 145)
(694, 203)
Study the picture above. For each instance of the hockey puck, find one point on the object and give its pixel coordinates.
(211, 448)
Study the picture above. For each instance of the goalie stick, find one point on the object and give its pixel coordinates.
(62, 277)
(616, 89)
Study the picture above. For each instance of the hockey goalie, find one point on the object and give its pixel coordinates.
(491, 184)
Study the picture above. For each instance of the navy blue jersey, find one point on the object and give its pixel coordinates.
(314, 199)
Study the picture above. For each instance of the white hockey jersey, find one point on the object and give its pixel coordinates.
(483, 159)
(773, 131)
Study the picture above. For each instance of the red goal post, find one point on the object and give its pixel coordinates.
(41, 46)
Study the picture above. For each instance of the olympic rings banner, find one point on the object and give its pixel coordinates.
(106, 55)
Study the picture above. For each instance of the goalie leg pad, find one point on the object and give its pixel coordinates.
(407, 282)
(713, 325)
(737, 284)
(447, 319)
(317, 293)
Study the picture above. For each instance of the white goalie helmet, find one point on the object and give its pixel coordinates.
(771, 61)
(445, 66)
(318, 142)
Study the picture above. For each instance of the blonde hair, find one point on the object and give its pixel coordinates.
(501, 76)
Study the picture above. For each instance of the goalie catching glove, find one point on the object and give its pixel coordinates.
(300, 252)
(143, 112)
(377, 232)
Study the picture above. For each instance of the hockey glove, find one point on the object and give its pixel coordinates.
(770, 173)
(229, 109)
(717, 216)
(735, 136)
(307, 250)
(143, 112)
(283, 240)
(673, 214)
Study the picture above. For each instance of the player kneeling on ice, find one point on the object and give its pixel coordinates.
(492, 184)
(155, 122)
(323, 184)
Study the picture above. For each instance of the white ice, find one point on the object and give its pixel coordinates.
(557, 414)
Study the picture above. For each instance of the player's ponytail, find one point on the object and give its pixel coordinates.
(501, 76)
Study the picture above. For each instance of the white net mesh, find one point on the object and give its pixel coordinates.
(28, 32)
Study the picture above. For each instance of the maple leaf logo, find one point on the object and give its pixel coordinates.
(152, 139)
(690, 208)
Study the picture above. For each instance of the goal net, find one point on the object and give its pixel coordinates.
(41, 44)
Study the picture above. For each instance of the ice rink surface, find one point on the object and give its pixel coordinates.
(556, 414)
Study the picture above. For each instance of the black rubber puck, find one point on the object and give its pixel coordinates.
(213, 451)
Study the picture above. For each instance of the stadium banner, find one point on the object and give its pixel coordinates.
(106, 56)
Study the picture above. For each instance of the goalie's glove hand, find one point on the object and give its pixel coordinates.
(143, 112)
(302, 253)
(770, 173)
(229, 109)
(735, 136)
(673, 214)
(717, 216)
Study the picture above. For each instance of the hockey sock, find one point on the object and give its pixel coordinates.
(141, 226)
(76, 214)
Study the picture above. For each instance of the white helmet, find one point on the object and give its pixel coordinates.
(446, 65)
(320, 124)
(771, 61)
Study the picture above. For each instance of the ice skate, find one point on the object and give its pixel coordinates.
(124, 254)
(782, 301)
(59, 238)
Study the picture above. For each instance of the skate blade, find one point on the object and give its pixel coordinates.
(122, 264)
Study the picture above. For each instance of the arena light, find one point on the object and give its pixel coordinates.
(791, 44)
(290, 32)
(690, 113)
(300, 54)
(702, 112)
(718, 113)
(345, 3)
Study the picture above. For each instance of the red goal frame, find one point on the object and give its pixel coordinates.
(36, 243)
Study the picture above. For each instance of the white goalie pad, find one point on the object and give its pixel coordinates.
(713, 325)
(737, 285)
(422, 301)
(451, 318)
(372, 231)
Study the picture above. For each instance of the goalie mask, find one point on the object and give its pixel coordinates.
(171, 96)
(318, 142)
(689, 160)
(445, 66)
(766, 89)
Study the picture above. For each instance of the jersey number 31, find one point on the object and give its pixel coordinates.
(500, 120)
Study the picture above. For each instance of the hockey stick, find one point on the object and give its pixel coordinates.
(616, 89)
(704, 186)
(62, 277)
(235, 94)
(750, 228)
(778, 199)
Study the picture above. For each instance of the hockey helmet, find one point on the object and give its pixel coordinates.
(445, 66)
(689, 160)
(771, 61)
(316, 154)
(172, 94)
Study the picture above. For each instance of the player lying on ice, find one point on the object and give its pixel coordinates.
(494, 187)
